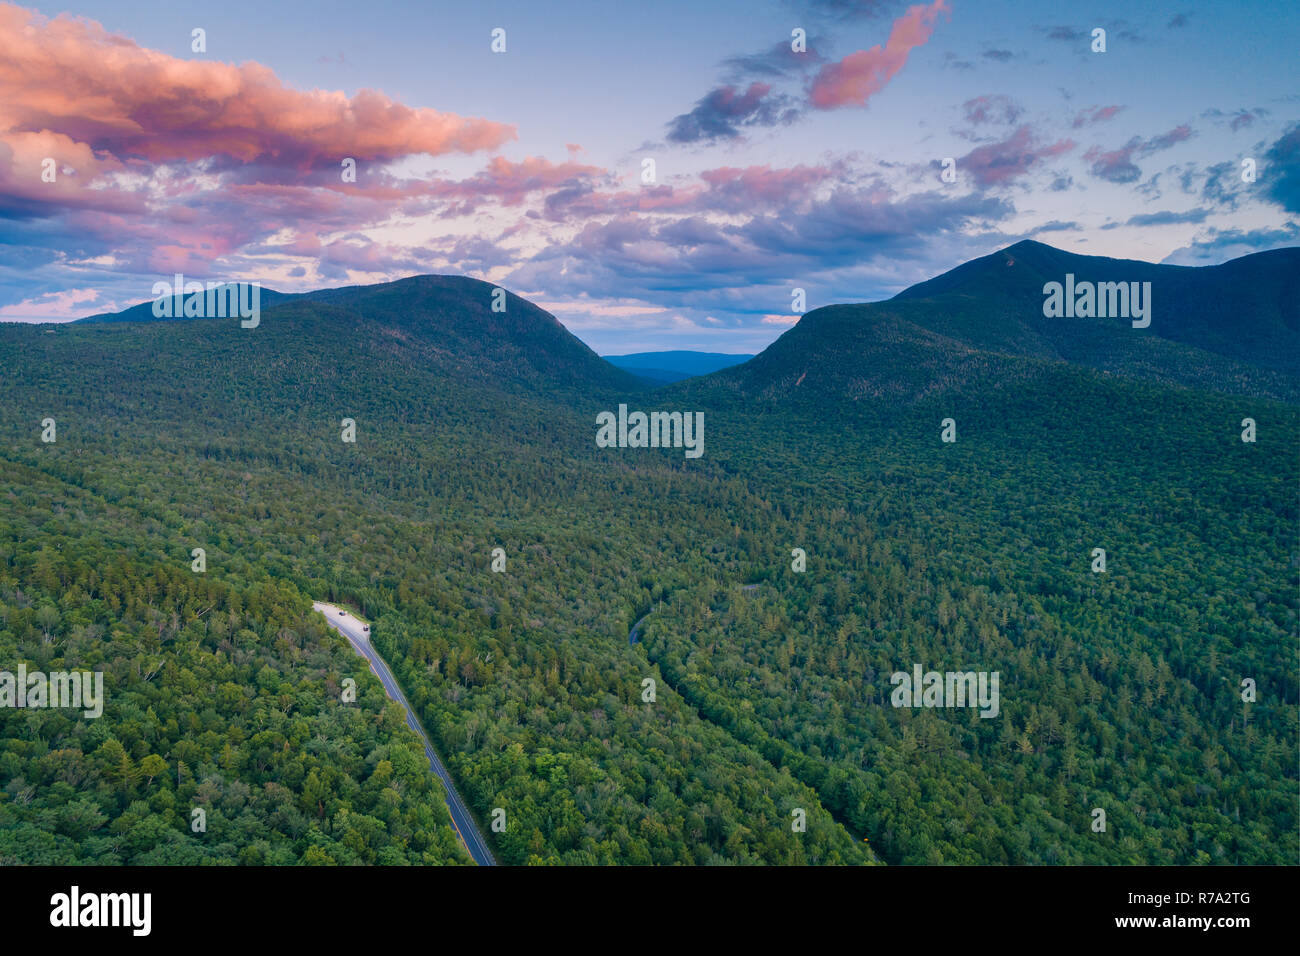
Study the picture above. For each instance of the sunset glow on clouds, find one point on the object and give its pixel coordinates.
(856, 78)
(774, 168)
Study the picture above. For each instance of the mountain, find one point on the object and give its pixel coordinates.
(1232, 328)
(665, 367)
(144, 312)
(827, 538)
(1247, 309)
(473, 437)
(449, 320)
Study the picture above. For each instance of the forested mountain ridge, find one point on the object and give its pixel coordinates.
(465, 325)
(1232, 328)
(1120, 690)
(1246, 309)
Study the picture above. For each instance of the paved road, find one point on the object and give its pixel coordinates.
(631, 635)
(464, 824)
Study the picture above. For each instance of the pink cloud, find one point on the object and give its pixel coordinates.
(997, 163)
(72, 77)
(766, 183)
(192, 166)
(69, 304)
(726, 189)
(511, 182)
(859, 76)
(1117, 165)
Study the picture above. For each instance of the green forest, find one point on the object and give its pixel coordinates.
(1119, 690)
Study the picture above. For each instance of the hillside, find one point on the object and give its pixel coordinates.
(449, 321)
(1120, 689)
(1233, 328)
(474, 430)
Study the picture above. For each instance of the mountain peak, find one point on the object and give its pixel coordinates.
(468, 325)
(1233, 328)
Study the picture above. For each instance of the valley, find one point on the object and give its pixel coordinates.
(474, 432)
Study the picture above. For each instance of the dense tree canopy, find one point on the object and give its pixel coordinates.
(1118, 690)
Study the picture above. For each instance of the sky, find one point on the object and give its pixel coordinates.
(657, 175)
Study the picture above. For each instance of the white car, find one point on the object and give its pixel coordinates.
(365, 627)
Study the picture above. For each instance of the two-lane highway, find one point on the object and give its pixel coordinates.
(358, 634)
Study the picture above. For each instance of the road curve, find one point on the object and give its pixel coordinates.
(462, 821)
(631, 635)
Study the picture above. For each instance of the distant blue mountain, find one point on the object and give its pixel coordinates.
(665, 367)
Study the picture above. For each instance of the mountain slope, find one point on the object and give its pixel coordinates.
(1247, 309)
(474, 430)
(1119, 689)
(449, 320)
(1233, 328)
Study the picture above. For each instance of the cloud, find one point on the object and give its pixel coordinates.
(69, 304)
(855, 79)
(1242, 119)
(175, 165)
(1167, 218)
(727, 110)
(1220, 184)
(846, 10)
(511, 182)
(723, 112)
(1094, 114)
(73, 78)
(1117, 166)
(1001, 56)
(1055, 225)
(1072, 34)
(757, 188)
(735, 190)
(991, 110)
(997, 163)
(777, 61)
(1238, 119)
(601, 308)
(1176, 135)
(1066, 34)
(1282, 170)
(1220, 245)
(692, 261)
